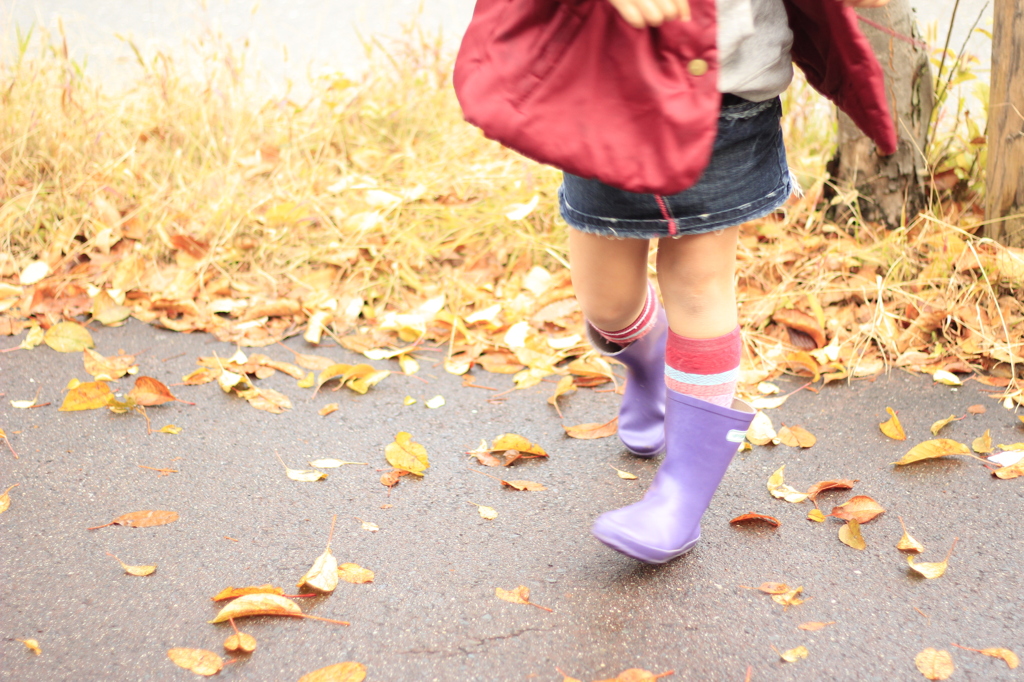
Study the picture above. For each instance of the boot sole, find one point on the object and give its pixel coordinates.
(648, 555)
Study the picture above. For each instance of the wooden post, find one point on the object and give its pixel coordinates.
(1005, 170)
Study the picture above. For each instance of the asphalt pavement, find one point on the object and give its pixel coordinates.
(431, 612)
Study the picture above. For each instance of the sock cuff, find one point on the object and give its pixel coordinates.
(640, 326)
(713, 356)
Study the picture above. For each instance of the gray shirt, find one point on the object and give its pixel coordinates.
(754, 41)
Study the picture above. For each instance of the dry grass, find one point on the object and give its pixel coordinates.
(207, 210)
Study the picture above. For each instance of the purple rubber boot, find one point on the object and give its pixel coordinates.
(702, 439)
(642, 412)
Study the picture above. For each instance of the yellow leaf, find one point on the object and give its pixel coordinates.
(908, 543)
(32, 645)
(524, 485)
(34, 272)
(934, 665)
(203, 375)
(814, 626)
(942, 423)
(932, 570)
(892, 428)
(1012, 471)
(135, 570)
(849, 535)
(308, 381)
(520, 595)
(107, 369)
(794, 655)
(68, 337)
(435, 402)
(328, 409)
(778, 488)
(408, 364)
(486, 512)
(593, 431)
(199, 661)
(171, 429)
(624, 474)
(1005, 654)
(34, 337)
(323, 575)
(789, 597)
(234, 592)
(511, 441)
(90, 395)
(23, 404)
(241, 642)
(372, 527)
(107, 311)
(228, 380)
(816, 515)
(5, 499)
(406, 455)
(350, 671)
(258, 605)
(947, 378)
(860, 508)
(409, 400)
(267, 399)
(302, 475)
(761, 431)
(355, 574)
(931, 449)
(796, 436)
(983, 443)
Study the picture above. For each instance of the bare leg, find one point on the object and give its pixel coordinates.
(695, 274)
(609, 277)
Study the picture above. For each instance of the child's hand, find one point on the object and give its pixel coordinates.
(643, 13)
(865, 3)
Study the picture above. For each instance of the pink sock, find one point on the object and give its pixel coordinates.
(704, 368)
(640, 326)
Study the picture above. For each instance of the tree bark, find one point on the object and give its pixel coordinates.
(1005, 170)
(891, 189)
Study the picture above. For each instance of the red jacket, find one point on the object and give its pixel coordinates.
(569, 83)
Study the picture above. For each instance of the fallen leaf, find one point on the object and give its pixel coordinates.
(638, 675)
(822, 486)
(32, 645)
(934, 665)
(523, 485)
(258, 605)
(435, 402)
(908, 543)
(520, 595)
(406, 455)
(795, 436)
(354, 573)
(488, 513)
(511, 441)
(983, 443)
(68, 337)
(199, 661)
(625, 475)
(203, 375)
(761, 431)
(930, 449)
(566, 384)
(366, 525)
(142, 519)
(323, 575)
(308, 381)
(390, 479)
(33, 338)
(774, 588)
(107, 369)
(893, 428)
(332, 463)
(816, 515)
(1005, 655)
(5, 499)
(814, 626)
(747, 518)
(767, 388)
(789, 598)
(134, 570)
(235, 592)
(267, 399)
(171, 429)
(1011, 471)
(778, 488)
(942, 423)
(328, 409)
(107, 311)
(860, 508)
(408, 400)
(976, 409)
(593, 431)
(769, 403)
(228, 380)
(794, 655)
(23, 404)
(932, 570)
(350, 671)
(89, 395)
(34, 272)
(849, 535)
(148, 392)
(947, 378)
(240, 642)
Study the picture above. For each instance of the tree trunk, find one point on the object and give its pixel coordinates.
(891, 189)
(1005, 170)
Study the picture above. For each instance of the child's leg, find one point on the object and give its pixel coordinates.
(624, 321)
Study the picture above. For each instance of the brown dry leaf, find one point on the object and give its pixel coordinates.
(32, 645)
(89, 395)
(977, 409)
(774, 588)
(142, 519)
(983, 443)
(520, 595)
(1005, 654)
(893, 428)
(405, 455)
(235, 592)
(822, 486)
(258, 605)
(794, 655)
(908, 543)
(934, 665)
(761, 431)
(930, 449)
(935, 569)
(349, 671)
(816, 515)
(354, 573)
(134, 570)
(390, 479)
(328, 409)
(814, 626)
(942, 423)
(148, 391)
(751, 517)
(805, 362)
(860, 508)
(5, 499)
(240, 642)
(849, 535)
(593, 431)
(796, 437)
(778, 488)
(789, 598)
(108, 369)
(68, 337)
(511, 441)
(523, 485)
(199, 661)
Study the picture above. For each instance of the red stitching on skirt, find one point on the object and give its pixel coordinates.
(666, 215)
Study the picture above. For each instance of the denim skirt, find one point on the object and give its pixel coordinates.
(746, 178)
